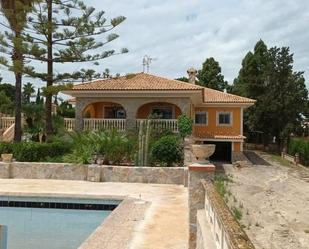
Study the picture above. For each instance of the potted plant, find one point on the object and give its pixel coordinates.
(6, 157)
(6, 153)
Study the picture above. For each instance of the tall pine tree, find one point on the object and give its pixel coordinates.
(210, 75)
(267, 75)
(66, 31)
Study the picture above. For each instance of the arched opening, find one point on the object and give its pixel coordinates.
(104, 110)
(158, 110)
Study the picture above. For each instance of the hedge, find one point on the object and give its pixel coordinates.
(300, 146)
(35, 152)
(167, 151)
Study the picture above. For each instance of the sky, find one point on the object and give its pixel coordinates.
(181, 34)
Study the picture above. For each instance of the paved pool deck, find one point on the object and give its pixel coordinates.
(165, 220)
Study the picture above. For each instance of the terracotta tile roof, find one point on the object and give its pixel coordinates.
(214, 96)
(148, 82)
(137, 82)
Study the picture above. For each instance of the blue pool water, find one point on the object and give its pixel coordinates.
(49, 228)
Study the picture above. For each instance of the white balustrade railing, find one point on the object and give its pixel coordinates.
(6, 122)
(98, 123)
(161, 124)
(69, 124)
(8, 134)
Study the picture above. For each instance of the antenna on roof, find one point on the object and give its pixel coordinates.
(146, 63)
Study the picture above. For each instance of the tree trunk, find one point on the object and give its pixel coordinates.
(49, 83)
(18, 122)
(17, 59)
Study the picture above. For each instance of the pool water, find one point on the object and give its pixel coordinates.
(46, 228)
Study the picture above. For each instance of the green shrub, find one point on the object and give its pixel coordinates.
(38, 152)
(167, 151)
(237, 213)
(184, 125)
(220, 186)
(300, 146)
(82, 148)
(6, 147)
(115, 147)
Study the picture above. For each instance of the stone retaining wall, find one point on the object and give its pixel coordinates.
(95, 173)
(226, 231)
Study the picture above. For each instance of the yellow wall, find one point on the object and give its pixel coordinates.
(145, 110)
(212, 128)
(237, 146)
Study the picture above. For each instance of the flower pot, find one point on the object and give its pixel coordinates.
(203, 151)
(6, 158)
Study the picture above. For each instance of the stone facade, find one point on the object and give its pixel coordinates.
(95, 173)
(60, 171)
(131, 106)
(160, 175)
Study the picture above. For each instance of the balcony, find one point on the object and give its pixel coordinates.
(94, 124)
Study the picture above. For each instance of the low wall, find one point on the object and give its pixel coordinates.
(161, 175)
(225, 230)
(96, 173)
(293, 159)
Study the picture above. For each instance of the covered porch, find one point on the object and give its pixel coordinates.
(126, 114)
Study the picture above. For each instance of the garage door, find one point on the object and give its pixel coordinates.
(223, 151)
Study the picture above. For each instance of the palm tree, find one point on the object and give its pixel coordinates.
(16, 12)
(28, 91)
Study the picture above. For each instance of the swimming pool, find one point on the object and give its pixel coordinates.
(50, 223)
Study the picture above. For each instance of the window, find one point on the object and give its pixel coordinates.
(163, 112)
(201, 118)
(114, 112)
(224, 118)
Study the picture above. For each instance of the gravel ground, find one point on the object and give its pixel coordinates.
(274, 203)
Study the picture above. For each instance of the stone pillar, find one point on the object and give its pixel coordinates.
(94, 173)
(131, 107)
(196, 199)
(79, 123)
(297, 159)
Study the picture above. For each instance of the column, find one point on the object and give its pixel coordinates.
(79, 123)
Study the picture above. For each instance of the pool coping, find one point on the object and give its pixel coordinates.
(117, 230)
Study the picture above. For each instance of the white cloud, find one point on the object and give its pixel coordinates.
(182, 33)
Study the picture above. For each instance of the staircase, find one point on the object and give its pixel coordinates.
(8, 134)
(7, 127)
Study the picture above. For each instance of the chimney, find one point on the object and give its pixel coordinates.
(192, 75)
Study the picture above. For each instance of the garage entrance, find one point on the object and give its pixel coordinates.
(223, 152)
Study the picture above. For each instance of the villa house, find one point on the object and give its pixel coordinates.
(123, 102)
